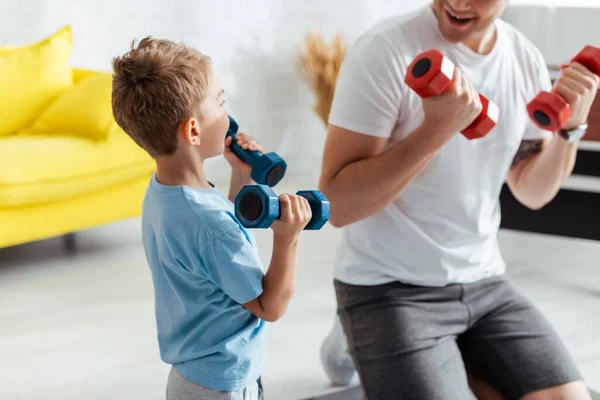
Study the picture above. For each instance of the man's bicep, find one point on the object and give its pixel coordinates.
(343, 147)
(369, 88)
(528, 149)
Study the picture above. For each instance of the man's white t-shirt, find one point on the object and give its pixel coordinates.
(443, 226)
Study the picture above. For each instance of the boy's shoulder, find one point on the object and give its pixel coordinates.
(212, 211)
(204, 213)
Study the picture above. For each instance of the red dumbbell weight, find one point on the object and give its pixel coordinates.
(548, 110)
(431, 72)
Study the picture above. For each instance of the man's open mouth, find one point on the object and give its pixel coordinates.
(459, 20)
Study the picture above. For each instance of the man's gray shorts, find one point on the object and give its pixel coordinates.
(412, 342)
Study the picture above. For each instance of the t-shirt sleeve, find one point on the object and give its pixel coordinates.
(368, 88)
(232, 263)
(540, 78)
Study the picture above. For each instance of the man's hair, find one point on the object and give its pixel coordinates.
(156, 85)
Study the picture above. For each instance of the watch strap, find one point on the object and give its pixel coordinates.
(574, 134)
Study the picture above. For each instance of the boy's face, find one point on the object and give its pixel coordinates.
(214, 121)
(206, 133)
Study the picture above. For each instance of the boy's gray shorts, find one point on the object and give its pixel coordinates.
(411, 342)
(180, 388)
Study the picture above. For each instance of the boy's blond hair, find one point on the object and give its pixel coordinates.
(156, 85)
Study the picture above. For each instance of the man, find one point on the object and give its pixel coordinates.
(420, 284)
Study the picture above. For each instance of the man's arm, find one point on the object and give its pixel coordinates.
(359, 178)
(539, 169)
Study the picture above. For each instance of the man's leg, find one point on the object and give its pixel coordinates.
(335, 358)
(402, 340)
(512, 346)
(338, 364)
(570, 391)
(482, 389)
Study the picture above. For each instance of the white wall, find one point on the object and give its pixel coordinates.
(252, 42)
(559, 28)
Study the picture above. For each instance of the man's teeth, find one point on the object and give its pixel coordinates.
(459, 18)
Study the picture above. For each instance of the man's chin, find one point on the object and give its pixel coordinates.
(453, 36)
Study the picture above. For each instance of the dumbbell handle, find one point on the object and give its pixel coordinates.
(248, 156)
(257, 206)
(583, 58)
(315, 214)
(549, 110)
(588, 60)
(469, 131)
(431, 74)
(279, 208)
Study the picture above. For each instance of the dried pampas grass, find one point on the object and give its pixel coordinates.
(319, 65)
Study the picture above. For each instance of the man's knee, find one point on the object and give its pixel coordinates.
(570, 391)
(482, 390)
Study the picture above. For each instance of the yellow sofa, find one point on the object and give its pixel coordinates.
(65, 165)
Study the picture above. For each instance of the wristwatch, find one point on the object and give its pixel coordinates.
(574, 134)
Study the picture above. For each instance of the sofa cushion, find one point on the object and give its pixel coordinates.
(37, 169)
(83, 110)
(31, 77)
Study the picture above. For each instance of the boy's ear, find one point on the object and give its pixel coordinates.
(191, 131)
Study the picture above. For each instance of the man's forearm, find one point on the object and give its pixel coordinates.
(367, 186)
(541, 176)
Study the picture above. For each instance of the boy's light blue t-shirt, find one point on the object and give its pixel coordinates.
(204, 266)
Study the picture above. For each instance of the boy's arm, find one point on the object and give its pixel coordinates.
(232, 263)
(279, 282)
(238, 180)
(240, 171)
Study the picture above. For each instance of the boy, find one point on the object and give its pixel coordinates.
(211, 296)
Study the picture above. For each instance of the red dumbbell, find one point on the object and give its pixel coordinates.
(548, 110)
(431, 72)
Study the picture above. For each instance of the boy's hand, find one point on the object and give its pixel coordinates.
(246, 142)
(295, 215)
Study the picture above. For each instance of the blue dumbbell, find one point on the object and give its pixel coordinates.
(267, 169)
(257, 206)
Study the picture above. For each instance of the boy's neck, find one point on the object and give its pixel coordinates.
(181, 170)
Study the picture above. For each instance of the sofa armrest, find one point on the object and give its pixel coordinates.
(80, 74)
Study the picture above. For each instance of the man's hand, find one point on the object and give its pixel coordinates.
(453, 110)
(238, 166)
(578, 86)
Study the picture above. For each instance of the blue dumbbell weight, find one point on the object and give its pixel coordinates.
(257, 206)
(267, 169)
